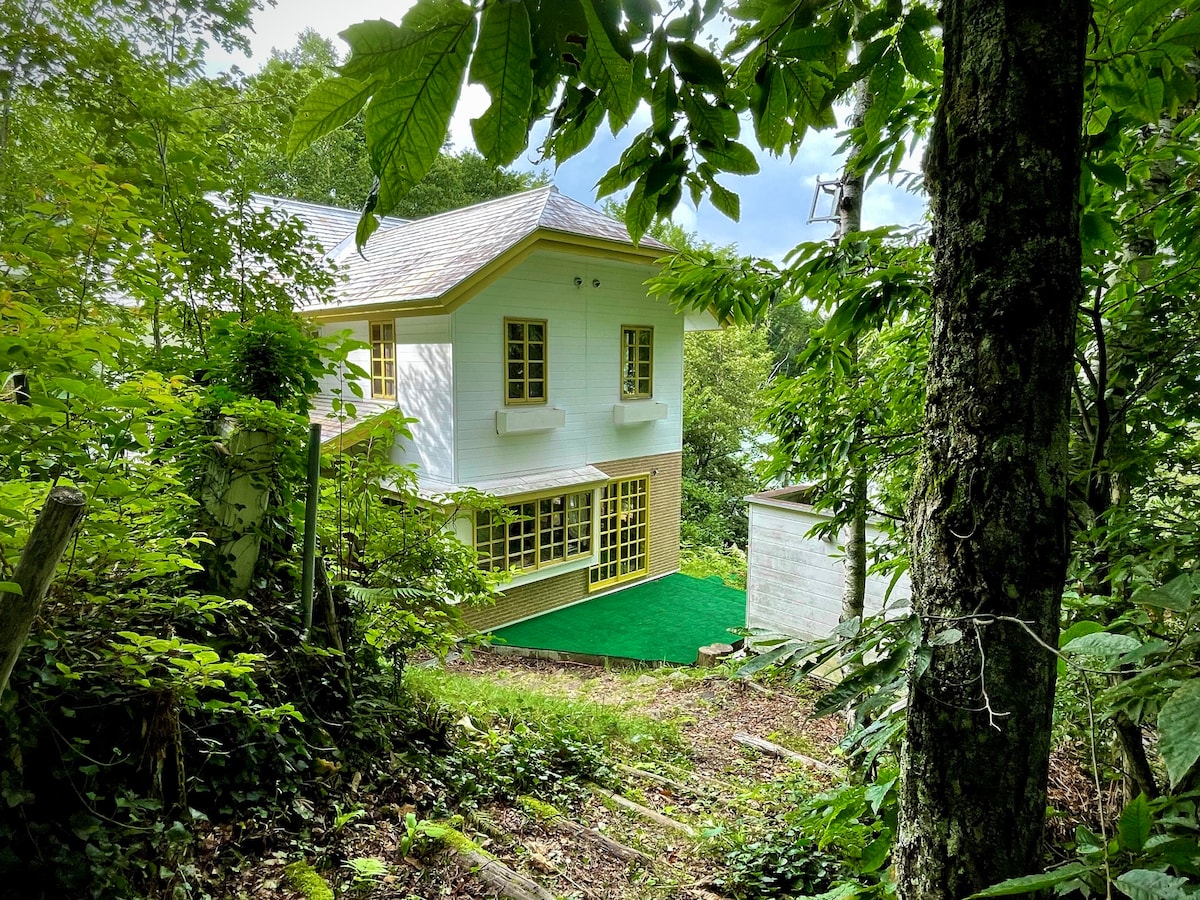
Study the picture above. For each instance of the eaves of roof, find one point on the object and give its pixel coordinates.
(487, 272)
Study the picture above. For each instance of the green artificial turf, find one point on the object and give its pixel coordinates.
(662, 620)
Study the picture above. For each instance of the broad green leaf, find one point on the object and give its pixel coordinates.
(887, 90)
(1177, 594)
(808, 43)
(1028, 884)
(1179, 731)
(1185, 32)
(376, 50)
(1103, 644)
(1145, 15)
(1146, 884)
(945, 638)
(1133, 828)
(696, 65)
(918, 57)
(711, 121)
(11, 587)
(1078, 630)
(1098, 120)
(639, 211)
(329, 105)
(607, 72)
(729, 156)
(1109, 173)
(725, 200)
(407, 122)
(501, 65)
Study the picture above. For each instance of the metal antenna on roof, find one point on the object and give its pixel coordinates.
(833, 187)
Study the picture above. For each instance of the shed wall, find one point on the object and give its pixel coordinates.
(794, 582)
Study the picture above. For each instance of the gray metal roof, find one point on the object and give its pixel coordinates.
(422, 259)
(331, 226)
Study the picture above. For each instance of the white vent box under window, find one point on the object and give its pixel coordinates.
(522, 421)
(634, 413)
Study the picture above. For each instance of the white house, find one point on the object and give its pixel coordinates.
(520, 334)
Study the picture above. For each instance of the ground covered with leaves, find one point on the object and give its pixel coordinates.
(663, 738)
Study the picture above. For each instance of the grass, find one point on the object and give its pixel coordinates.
(488, 702)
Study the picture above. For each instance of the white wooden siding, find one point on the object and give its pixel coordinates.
(424, 388)
(339, 385)
(794, 582)
(583, 351)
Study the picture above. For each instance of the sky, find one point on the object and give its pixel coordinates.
(775, 202)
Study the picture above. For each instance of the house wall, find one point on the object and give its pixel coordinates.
(424, 388)
(583, 350)
(527, 600)
(425, 391)
(794, 582)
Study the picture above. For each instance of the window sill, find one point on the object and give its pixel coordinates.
(525, 421)
(638, 411)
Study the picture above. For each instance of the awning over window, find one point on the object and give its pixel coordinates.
(520, 485)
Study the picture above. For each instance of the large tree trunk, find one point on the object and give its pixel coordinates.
(989, 507)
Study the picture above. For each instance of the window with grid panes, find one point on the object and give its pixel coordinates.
(637, 362)
(524, 361)
(539, 533)
(383, 359)
(623, 536)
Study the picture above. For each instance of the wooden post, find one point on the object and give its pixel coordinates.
(35, 571)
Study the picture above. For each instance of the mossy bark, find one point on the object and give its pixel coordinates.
(989, 507)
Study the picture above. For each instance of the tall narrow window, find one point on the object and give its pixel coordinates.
(637, 362)
(383, 360)
(623, 532)
(524, 361)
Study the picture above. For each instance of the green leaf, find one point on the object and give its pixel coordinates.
(606, 71)
(729, 156)
(711, 121)
(887, 89)
(808, 43)
(1146, 884)
(945, 638)
(1179, 731)
(918, 56)
(502, 65)
(639, 210)
(1177, 594)
(1105, 644)
(1028, 884)
(11, 587)
(696, 65)
(1133, 828)
(407, 122)
(328, 106)
(376, 50)
(1109, 173)
(725, 200)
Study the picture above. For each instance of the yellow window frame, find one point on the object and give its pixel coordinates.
(526, 362)
(622, 532)
(637, 362)
(383, 360)
(545, 531)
